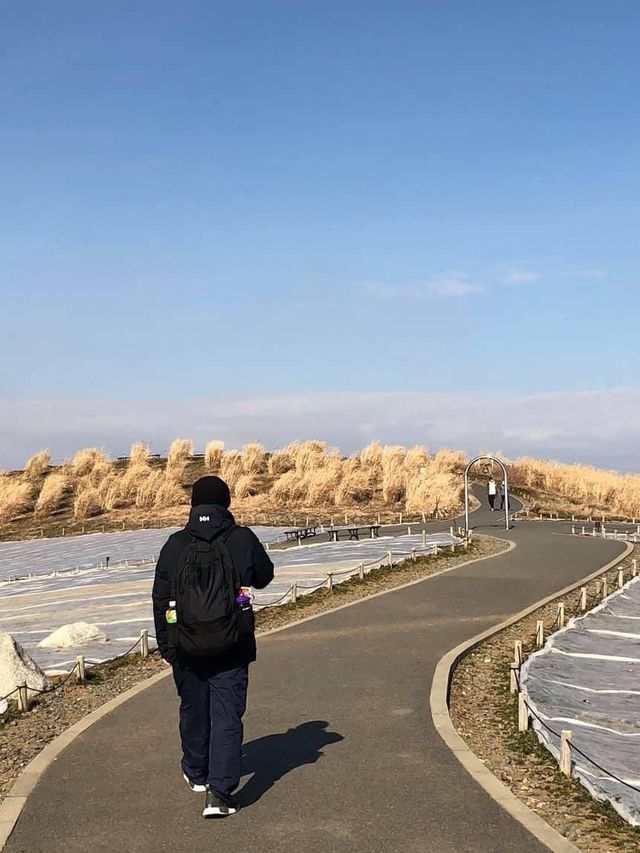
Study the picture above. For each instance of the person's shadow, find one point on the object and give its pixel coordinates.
(272, 757)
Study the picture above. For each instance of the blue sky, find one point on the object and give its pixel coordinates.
(244, 202)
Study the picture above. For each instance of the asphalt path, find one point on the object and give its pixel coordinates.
(341, 753)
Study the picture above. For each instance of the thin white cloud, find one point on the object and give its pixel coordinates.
(449, 284)
(520, 276)
(455, 284)
(568, 426)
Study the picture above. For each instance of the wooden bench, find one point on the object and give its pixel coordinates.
(354, 531)
(299, 533)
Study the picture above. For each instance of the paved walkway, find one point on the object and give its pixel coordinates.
(341, 753)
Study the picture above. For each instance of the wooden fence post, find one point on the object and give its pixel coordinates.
(389, 559)
(330, 581)
(144, 643)
(517, 652)
(620, 578)
(513, 678)
(583, 599)
(523, 712)
(605, 588)
(634, 569)
(413, 555)
(540, 633)
(294, 593)
(23, 697)
(424, 538)
(566, 736)
(81, 674)
(361, 571)
(561, 615)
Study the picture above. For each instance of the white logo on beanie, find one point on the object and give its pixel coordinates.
(204, 518)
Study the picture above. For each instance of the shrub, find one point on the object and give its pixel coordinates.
(322, 483)
(253, 458)
(357, 487)
(15, 497)
(181, 451)
(87, 504)
(213, 456)
(38, 465)
(147, 490)
(289, 487)
(87, 459)
(280, 462)
(170, 494)
(247, 486)
(307, 455)
(139, 454)
(232, 468)
(51, 495)
(393, 474)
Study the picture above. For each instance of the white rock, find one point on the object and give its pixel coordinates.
(16, 667)
(75, 634)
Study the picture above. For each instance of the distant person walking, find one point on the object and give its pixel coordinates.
(503, 494)
(492, 491)
(205, 629)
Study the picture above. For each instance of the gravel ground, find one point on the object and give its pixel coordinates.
(485, 715)
(23, 736)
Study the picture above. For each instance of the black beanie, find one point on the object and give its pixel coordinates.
(210, 490)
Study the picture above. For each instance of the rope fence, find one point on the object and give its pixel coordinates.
(24, 692)
(526, 711)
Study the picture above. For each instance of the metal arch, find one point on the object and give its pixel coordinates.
(466, 489)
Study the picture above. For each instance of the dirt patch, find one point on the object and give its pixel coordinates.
(23, 736)
(485, 715)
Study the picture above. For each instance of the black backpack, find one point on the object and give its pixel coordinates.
(209, 622)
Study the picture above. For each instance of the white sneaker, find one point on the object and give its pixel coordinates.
(199, 789)
(216, 805)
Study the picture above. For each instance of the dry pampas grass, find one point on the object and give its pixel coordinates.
(87, 459)
(15, 497)
(170, 494)
(590, 489)
(139, 454)
(181, 450)
(253, 458)
(38, 465)
(51, 495)
(247, 486)
(213, 456)
(87, 504)
(231, 468)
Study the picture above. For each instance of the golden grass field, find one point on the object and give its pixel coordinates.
(91, 491)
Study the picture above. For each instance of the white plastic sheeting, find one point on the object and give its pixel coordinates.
(62, 554)
(587, 679)
(118, 600)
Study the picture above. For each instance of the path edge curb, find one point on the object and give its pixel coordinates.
(439, 706)
(13, 804)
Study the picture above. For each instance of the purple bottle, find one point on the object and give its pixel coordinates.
(243, 599)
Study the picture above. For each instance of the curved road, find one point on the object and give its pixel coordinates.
(341, 753)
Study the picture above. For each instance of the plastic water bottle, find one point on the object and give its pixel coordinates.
(243, 598)
(172, 614)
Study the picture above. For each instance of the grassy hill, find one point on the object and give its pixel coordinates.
(93, 492)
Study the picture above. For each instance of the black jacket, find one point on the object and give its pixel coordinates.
(250, 560)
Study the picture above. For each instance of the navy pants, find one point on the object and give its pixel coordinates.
(212, 704)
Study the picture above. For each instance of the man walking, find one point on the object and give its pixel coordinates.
(205, 630)
(492, 492)
(503, 494)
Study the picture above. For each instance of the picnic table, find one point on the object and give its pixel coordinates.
(299, 533)
(354, 531)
